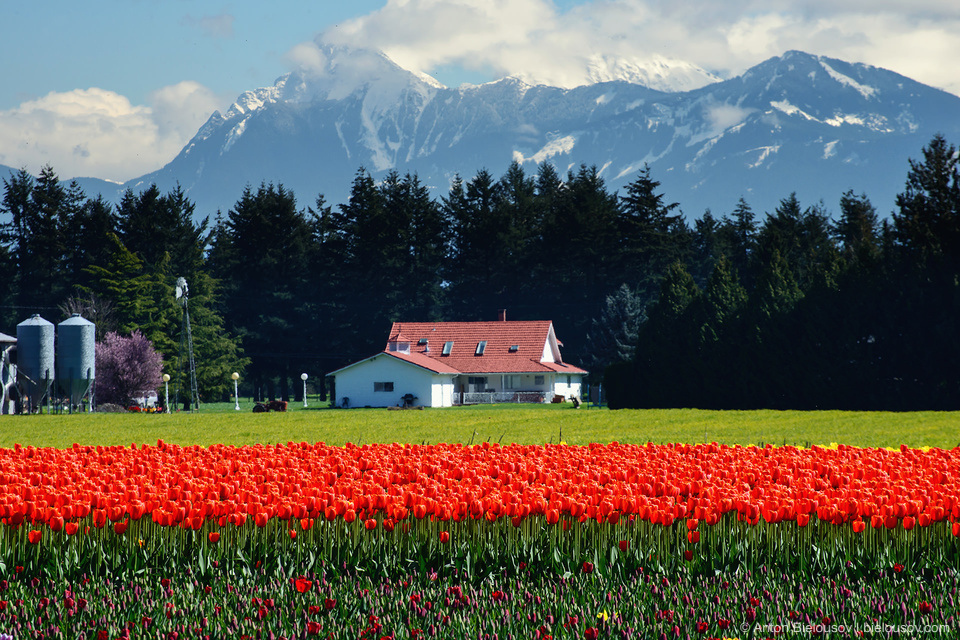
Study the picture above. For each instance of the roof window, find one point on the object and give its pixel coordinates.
(514, 348)
(481, 347)
(447, 348)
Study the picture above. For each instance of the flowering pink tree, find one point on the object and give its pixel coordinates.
(127, 368)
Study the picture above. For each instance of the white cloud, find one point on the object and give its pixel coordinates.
(94, 132)
(535, 40)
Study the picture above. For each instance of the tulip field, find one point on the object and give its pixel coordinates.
(478, 540)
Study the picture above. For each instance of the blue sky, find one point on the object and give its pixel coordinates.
(114, 88)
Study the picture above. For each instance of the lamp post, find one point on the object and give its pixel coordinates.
(303, 377)
(166, 392)
(236, 395)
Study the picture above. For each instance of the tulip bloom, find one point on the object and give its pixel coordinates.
(34, 536)
(302, 585)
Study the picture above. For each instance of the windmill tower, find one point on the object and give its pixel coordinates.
(186, 345)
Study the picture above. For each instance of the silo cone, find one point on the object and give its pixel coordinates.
(35, 366)
(76, 358)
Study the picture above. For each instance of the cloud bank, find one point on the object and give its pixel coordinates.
(537, 41)
(99, 133)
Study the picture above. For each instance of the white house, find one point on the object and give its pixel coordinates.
(441, 364)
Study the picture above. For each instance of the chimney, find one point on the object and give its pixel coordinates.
(502, 315)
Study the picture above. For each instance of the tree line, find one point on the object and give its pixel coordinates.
(788, 309)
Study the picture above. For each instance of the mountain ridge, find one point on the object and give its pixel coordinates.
(796, 123)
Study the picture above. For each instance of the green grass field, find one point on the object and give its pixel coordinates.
(526, 424)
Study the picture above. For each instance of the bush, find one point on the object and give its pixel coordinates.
(127, 368)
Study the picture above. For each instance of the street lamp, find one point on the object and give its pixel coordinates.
(166, 391)
(236, 395)
(303, 377)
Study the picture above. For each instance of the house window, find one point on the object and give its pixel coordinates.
(402, 347)
(481, 346)
(383, 386)
(538, 381)
(447, 348)
(514, 348)
(569, 380)
(511, 382)
(423, 342)
(477, 384)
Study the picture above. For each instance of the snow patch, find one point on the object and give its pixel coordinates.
(234, 135)
(764, 153)
(845, 118)
(790, 110)
(555, 147)
(864, 90)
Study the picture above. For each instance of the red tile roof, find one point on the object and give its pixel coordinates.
(529, 337)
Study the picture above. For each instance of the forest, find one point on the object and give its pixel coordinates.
(793, 308)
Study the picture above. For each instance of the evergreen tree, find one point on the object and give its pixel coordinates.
(653, 234)
(87, 231)
(36, 236)
(132, 292)
(927, 222)
(613, 336)
(667, 346)
(803, 240)
(744, 225)
(153, 226)
(261, 255)
(719, 312)
(858, 229)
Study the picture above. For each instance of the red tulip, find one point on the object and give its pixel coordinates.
(34, 536)
(302, 585)
(444, 537)
(213, 537)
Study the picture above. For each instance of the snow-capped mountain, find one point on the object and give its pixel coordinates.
(795, 123)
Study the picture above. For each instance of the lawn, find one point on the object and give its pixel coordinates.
(524, 424)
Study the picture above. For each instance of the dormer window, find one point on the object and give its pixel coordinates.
(481, 347)
(398, 346)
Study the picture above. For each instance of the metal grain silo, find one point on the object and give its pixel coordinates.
(35, 367)
(76, 357)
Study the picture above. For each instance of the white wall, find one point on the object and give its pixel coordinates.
(357, 384)
(562, 388)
